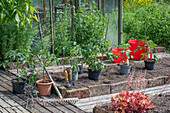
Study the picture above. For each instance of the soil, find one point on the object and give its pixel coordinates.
(112, 74)
(161, 103)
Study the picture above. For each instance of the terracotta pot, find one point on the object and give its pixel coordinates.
(44, 88)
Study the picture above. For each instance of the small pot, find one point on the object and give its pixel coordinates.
(18, 87)
(150, 64)
(44, 88)
(80, 69)
(94, 75)
(125, 69)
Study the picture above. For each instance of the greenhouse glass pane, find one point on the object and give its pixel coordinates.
(111, 9)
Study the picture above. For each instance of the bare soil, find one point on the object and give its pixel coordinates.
(162, 104)
(112, 74)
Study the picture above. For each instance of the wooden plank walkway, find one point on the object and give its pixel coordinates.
(16, 103)
(88, 104)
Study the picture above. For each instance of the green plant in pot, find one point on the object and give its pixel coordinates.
(19, 58)
(90, 27)
(152, 58)
(91, 58)
(125, 67)
(73, 60)
(45, 59)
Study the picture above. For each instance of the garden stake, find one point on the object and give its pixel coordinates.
(61, 100)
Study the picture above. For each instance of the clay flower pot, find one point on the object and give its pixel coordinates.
(44, 88)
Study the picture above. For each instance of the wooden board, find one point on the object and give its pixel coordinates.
(16, 102)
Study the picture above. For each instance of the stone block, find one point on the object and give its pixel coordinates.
(102, 108)
(156, 81)
(97, 90)
(142, 84)
(118, 87)
(79, 93)
(158, 49)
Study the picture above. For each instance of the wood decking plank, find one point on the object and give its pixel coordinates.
(13, 103)
(3, 110)
(19, 98)
(58, 106)
(6, 86)
(41, 109)
(37, 106)
(10, 110)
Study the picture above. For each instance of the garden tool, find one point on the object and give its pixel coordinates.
(66, 78)
(70, 77)
(61, 100)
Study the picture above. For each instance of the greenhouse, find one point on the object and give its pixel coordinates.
(84, 56)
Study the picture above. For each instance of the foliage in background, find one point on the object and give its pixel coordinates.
(150, 21)
(12, 39)
(18, 58)
(18, 11)
(130, 4)
(90, 27)
(63, 42)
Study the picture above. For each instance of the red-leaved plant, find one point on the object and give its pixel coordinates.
(134, 102)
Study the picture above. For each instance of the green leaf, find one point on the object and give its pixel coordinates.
(36, 18)
(140, 47)
(136, 50)
(17, 18)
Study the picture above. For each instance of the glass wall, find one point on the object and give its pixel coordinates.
(111, 9)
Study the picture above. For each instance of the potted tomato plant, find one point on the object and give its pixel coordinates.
(123, 56)
(44, 84)
(91, 59)
(18, 58)
(90, 29)
(152, 58)
(125, 66)
(150, 62)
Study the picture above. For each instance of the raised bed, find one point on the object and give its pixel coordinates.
(111, 81)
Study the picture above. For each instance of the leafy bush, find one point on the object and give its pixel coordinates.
(12, 38)
(130, 4)
(63, 41)
(134, 102)
(151, 21)
(20, 12)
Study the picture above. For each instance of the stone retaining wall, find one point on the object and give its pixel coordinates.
(104, 89)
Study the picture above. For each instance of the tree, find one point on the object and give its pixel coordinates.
(19, 11)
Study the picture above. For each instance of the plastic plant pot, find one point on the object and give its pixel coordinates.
(94, 75)
(150, 64)
(125, 69)
(18, 87)
(80, 69)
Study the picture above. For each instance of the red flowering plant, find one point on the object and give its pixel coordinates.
(134, 102)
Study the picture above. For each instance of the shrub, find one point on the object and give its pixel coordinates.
(150, 21)
(129, 4)
(134, 102)
(12, 38)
